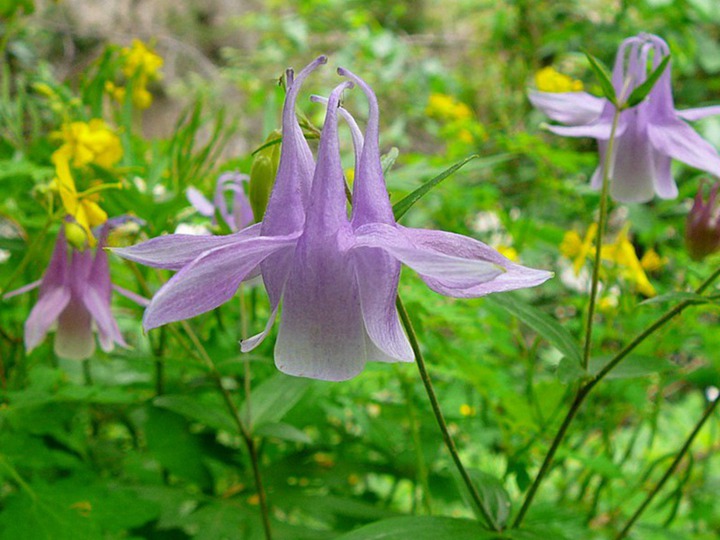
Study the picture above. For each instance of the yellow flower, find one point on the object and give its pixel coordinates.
(577, 249)
(652, 262)
(87, 213)
(623, 254)
(467, 410)
(91, 142)
(607, 304)
(139, 59)
(447, 108)
(141, 64)
(550, 80)
(509, 252)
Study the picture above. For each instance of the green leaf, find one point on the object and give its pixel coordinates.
(493, 496)
(678, 297)
(632, 367)
(604, 79)
(421, 528)
(569, 371)
(542, 323)
(170, 441)
(285, 432)
(271, 401)
(388, 160)
(644, 89)
(191, 408)
(401, 207)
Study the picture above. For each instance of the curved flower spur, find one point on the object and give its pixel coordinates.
(648, 135)
(337, 277)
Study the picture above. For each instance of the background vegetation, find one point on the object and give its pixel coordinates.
(138, 443)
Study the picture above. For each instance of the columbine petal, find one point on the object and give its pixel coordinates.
(443, 261)
(678, 140)
(572, 108)
(634, 166)
(452, 264)
(174, 251)
(377, 278)
(210, 280)
(600, 129)
(74, 338)
(321, 331)
(44, 314)
(200, 202)
(698, 113)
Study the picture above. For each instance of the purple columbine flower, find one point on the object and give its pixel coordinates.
(702, 230)
(74, 298)
(648, 136)
(240, 215)
(336, 276)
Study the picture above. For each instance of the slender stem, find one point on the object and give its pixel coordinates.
(422, 470)
(447, 438)
(586, 388)
(247, 374)
(602, 219)
(678, 458)
(242, 428)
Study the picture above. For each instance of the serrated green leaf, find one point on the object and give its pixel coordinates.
(542, 323)
(421, 528)
(604, 79)
(641, 92)
(401, 207)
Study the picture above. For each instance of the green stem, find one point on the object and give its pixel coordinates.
(678, 458)
(242, 428)
(422, 470)
(586, 388)
(447, 438)
(602, 219)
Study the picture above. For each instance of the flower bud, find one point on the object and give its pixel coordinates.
(702, 231)
(262, 176)
(75, 235)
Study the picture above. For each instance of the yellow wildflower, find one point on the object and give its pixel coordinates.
(577, 249)
(141, 64)
(87, 212)
(623, 254)
(550, 80)
(607, 304)
(140, 59)
(447, 108)
(88, 142)
(652, 262)
(509, 252)
(467, 410)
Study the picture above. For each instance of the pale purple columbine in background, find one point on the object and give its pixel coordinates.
(74, 300)
(648, 136)
(236, 216)
(702, 230)
(337, 276)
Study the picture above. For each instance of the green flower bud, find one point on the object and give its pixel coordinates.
(262, 175)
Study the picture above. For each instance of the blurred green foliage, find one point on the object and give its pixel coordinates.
(138, 443)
